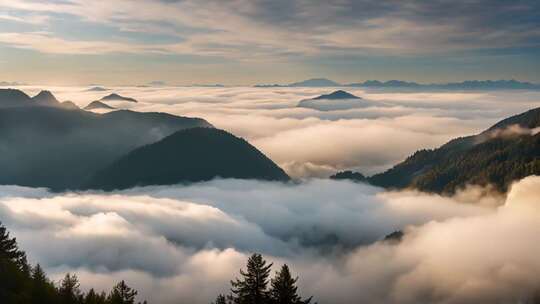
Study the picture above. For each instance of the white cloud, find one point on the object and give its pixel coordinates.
(32, 19)
(184, 243)
(247, 30)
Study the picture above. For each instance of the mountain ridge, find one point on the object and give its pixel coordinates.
(117, 97)
(502, 84)
(60, 148)
(96, 104)
(505, 152)
(191, 155)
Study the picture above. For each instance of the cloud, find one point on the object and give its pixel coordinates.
(32, 19)
(48, 43)
(184, 243)
(513, 130)
(263, 30)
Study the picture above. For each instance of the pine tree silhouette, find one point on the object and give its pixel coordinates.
(92, 297)
(284, 289)
(252, 287)
(42, 290)
(69, 290)
(122, 294)
(9, 249)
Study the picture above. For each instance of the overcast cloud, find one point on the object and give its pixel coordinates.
(248, 30)
(250, 41)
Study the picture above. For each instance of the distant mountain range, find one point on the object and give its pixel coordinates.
(506, 152)
(464, 85)
(16, 98)
(315, 82)
(61, 148)
(191, 155)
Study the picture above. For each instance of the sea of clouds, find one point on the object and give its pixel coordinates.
(182, 244)
(310, 143)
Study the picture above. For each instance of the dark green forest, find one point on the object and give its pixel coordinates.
(489, 158)
(22, 283)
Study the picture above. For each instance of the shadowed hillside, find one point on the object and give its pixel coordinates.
(43, 146)
(506, 152)
(192, 155)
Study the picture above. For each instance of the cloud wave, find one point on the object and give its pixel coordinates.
(170, 241)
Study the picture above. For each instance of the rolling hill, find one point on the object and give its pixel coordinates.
(192, 155)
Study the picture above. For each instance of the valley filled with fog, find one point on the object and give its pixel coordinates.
(183, 243)
(310, 143)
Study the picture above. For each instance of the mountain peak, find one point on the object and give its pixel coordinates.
(13, 98)
(95, 105)
(97, 89)
(339, 94)
(188, 156)
(69, 105)
(45, 98)
(116, 97)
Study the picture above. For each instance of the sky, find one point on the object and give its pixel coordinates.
(184, 243)
(244, 42)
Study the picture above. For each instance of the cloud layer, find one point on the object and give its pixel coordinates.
(249, 41)
(184, 243)
(251, 30)
(306, 142)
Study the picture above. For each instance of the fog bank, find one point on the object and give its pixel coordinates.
(184, 243)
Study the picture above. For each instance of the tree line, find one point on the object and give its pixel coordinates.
(22, 283)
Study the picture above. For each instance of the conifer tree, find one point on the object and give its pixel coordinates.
(22, 284)
(122, 294)
(284, 289)
(69, 290)
(14, 270)
(9, 249)
(92, 297)
(252, 287)
(43, 290)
